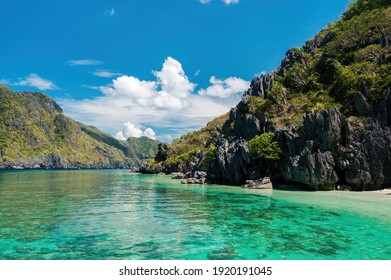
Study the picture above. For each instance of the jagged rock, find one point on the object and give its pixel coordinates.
(309, 159)
(200, 181)
(259, 86)
(200, 174)
(146, 168)
(232, 159)
(318, 41)
(368, 163)
(324, 128)
(344, 188)
(245, 125)
(292, 56)
(315, 170)
(331, 151)
(55, 161)
(262, 183)
(361, 105)
(384, 109)
(178, 175)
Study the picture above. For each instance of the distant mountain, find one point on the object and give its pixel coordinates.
(34, 133)
(321, 120)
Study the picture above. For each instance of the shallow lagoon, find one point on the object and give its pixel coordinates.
(111, 214)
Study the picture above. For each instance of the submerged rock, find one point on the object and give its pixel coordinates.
(223, 254)
(200, 181)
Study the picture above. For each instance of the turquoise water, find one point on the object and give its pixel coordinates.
(116, 215)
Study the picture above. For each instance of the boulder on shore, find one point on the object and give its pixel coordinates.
(262, 183)
(178, 175)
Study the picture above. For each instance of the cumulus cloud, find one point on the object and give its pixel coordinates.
(130, 130)
(229, 2)
(112, 12)
(225, 88)
(33, 80)
(169, 102)
(172, 79)
(84, 62)
(106, 74)
(205, 1)
(150, 133)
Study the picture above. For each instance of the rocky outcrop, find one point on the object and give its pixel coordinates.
(178, 175)
(232, 162)
(384, 109)
(259, 86)
(199, 177)
(262, 183)
(361, 105)
(292, 56)
(331, 151)
(56, 161)
(146, 168)
(245, 125)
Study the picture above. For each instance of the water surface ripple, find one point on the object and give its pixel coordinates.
(111, 214)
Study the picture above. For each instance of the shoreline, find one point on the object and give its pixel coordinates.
(281, 187)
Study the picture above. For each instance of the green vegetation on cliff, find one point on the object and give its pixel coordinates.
(345, 66)
(200, 142)
(35, 133)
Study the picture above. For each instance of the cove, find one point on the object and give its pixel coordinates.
(111, 214)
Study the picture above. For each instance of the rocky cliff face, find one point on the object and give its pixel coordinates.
(34, 133)
(328, 105)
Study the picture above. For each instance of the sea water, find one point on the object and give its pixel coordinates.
(111, 214)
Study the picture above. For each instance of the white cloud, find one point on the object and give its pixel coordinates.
(225, 88)
(84, 62)
(130, 130)
(205, 1)
(112, 12)
(172, 79)
(168, 102)
(229, 2)
(105, 74)
(130, 87)
(150, 133)
(33, 80)
(5, 82)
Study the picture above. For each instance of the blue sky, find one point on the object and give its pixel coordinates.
(149, 67)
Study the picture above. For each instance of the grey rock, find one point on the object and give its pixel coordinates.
(200, 174)
(324, 128)
(292, 56)
(200, 181)
(178, 175)
(262, 183)
(232, 160)
(313, 169)
(384, 109)
(246, 125)
(318, 41)
(259, 86)
(344, 187)
(361, 105)
(146, 168)
(55, 161)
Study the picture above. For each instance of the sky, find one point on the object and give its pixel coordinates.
(146, 67)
